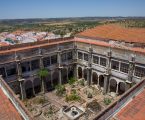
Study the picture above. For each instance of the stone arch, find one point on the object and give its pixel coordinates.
(113, 85)
(95, 78)
(80, 72)
(37, 85)
(121, 88)
(70, 72)
(55, 78)
(49, 82)
(64, 76)
(85, 74)
(29, 89)
(101, 81)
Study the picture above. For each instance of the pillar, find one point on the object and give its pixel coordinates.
(90, 66)
(59, 65)
(131, 68)
(117, 88)
(22, 89)
(89, 76)
(106, 83)
(41, 59)
(75, 62)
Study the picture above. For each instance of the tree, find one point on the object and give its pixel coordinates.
(43, 73)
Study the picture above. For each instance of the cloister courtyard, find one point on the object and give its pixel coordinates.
(51, 105)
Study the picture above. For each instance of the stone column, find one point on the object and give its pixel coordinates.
(90, 66)
(75, 62)
(19, 78)
(59, 65)
(106, 83)
(23, 93)
(107, 73)
(131, 69)
(67, 74)
(41, 59)
(117, 88)
(89, 75)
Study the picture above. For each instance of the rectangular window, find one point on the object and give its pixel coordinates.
(64, 57)
(11, 70)
(124, 67)
(103, 61)
(86, 57)
(46, 61)
(96, 59)
(115, 65)
(2, 72)
(69, 55)
(80, 55)
(25, 67)
(35, 64)
(54, 59)
(139, 71)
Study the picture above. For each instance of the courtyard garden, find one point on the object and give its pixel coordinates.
(50, 106)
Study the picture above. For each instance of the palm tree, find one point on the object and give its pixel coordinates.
(43, 73)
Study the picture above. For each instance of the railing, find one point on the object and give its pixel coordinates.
(34, 43)
(16, 102)
(115, 106)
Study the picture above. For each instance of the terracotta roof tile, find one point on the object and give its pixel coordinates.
(134, 110)
(7, 110)
(116, 32)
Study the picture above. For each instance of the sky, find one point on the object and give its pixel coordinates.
(18, 9)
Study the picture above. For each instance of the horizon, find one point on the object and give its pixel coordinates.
(34, 9)
(76, 17)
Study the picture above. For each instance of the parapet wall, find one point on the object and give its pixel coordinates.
(115, 106)
(16, 102)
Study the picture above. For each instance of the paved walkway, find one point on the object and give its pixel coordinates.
(55, 100)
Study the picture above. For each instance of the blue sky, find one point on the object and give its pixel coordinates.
(11, 9)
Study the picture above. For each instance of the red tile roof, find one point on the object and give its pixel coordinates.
(134, 110)
(116, 32)
(7, 110)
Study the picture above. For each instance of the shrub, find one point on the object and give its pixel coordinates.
(107, 101)
(82, 82)
(60, 90)
(71, 81)
(72, 97)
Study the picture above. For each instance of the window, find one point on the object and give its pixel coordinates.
(103, 61)
(86, 57)
(46, 61)
(96, 59)
(25, 67)
(54, 59)
(69, 55)
(11, 70)
(63, 57)
(139, 71)
(80, 55)
(115, 65)
(124, 67)
(2, 72)
(34, 64)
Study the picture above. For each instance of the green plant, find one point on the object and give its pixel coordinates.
(72, 97)
(107, 101)
(60, 90)
(71, 81)
(82, 82)
(43, 73)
